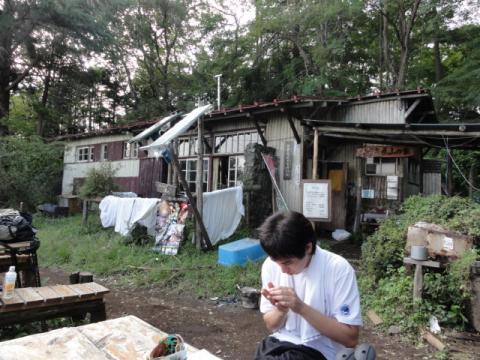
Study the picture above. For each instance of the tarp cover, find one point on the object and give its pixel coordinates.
(178, 129)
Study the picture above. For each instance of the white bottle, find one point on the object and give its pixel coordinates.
(9, 283)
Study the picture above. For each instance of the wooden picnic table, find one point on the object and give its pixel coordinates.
(125, 338)
(48, 302)
(23, 255)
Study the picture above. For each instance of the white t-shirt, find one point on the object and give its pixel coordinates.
(328, 285)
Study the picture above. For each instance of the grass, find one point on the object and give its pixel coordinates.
(67, 244)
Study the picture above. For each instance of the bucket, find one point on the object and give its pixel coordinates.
(419, 252)
(249, 297)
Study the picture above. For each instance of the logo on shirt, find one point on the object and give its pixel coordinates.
(345, 310)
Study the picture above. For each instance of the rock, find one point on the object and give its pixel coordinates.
(394, 330)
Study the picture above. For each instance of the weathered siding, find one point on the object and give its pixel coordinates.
(151, 170)
(278, 132)
(432, 183)
(378, 112)
(70, 147)
(125, 169)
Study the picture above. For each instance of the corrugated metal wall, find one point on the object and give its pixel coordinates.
(278, 132)
(432, 183)
(380, 112)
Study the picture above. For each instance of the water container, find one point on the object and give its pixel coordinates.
(9, 283)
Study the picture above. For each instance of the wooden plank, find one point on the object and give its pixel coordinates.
(372, 315)
(82, 290)
(432, 340)
(428, 263)
(29, 296)
(97, 289)
(48, 294)
(14, 302)
(65, 292)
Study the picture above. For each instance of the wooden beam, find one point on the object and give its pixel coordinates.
(411, 108)
(371, 138)
(294, 130)
(199, 182)
(199, 219)
(358, 202)
(315, 155)
(259, 130)
(391, 132)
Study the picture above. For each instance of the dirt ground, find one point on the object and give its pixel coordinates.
(230, 331)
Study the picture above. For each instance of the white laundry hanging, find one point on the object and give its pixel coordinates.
(222, 212)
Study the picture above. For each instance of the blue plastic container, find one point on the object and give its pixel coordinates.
(240, 251)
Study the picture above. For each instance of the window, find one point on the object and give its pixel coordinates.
(382, 166)
(85, 153)
(130, 150)
(234, 143)
(104, 152)
(236, 166)
(189, 169)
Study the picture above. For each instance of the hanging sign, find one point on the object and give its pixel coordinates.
(371, 151)
(317, 199)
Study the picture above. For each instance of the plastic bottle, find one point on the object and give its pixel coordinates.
(9, 283)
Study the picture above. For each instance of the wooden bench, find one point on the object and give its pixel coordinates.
(48, 302)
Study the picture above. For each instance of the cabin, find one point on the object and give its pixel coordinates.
(372, 150)
(134, 171)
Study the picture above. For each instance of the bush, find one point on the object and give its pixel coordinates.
(30, 171)
(386, 286)
(99, 182)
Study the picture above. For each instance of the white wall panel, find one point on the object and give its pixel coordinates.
(278, 132)
(124, 168)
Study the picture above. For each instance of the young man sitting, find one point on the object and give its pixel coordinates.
(310, 298)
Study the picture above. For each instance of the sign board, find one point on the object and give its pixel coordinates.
(317, 200)
(288, 160)
(371, 151)
(368, 194)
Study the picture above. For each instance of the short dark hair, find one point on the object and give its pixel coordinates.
(286, 234)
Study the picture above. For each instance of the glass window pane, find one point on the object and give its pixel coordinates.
(229, 146)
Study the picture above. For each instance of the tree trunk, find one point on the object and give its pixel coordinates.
(438, 60)
(402, 67)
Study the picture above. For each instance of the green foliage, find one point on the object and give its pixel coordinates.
(387, 288)
(30, 171)
(386, 246)
(67, 244)
(99, 182)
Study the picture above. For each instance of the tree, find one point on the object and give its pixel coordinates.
(29, 30)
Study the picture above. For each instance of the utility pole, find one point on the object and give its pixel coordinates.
(219, 93)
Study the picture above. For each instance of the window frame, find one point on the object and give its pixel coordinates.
(87, 156)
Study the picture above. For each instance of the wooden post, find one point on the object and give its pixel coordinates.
(449, 173)
(418, 282)
(198, 218)
(175, 170)
(85, 212)
(199, 182)
(358, 203)
(315, 155)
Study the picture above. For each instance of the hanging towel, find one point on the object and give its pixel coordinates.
(124, 213)
(222, 212)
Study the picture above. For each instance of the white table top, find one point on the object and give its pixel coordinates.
(125, 338)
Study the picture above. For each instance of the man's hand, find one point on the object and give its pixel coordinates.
(284, 298)
(268, 295)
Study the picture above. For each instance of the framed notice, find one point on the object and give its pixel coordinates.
(317, 199)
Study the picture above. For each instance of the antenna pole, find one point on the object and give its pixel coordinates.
(218, 77)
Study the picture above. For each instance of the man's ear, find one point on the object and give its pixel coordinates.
(309, 249)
